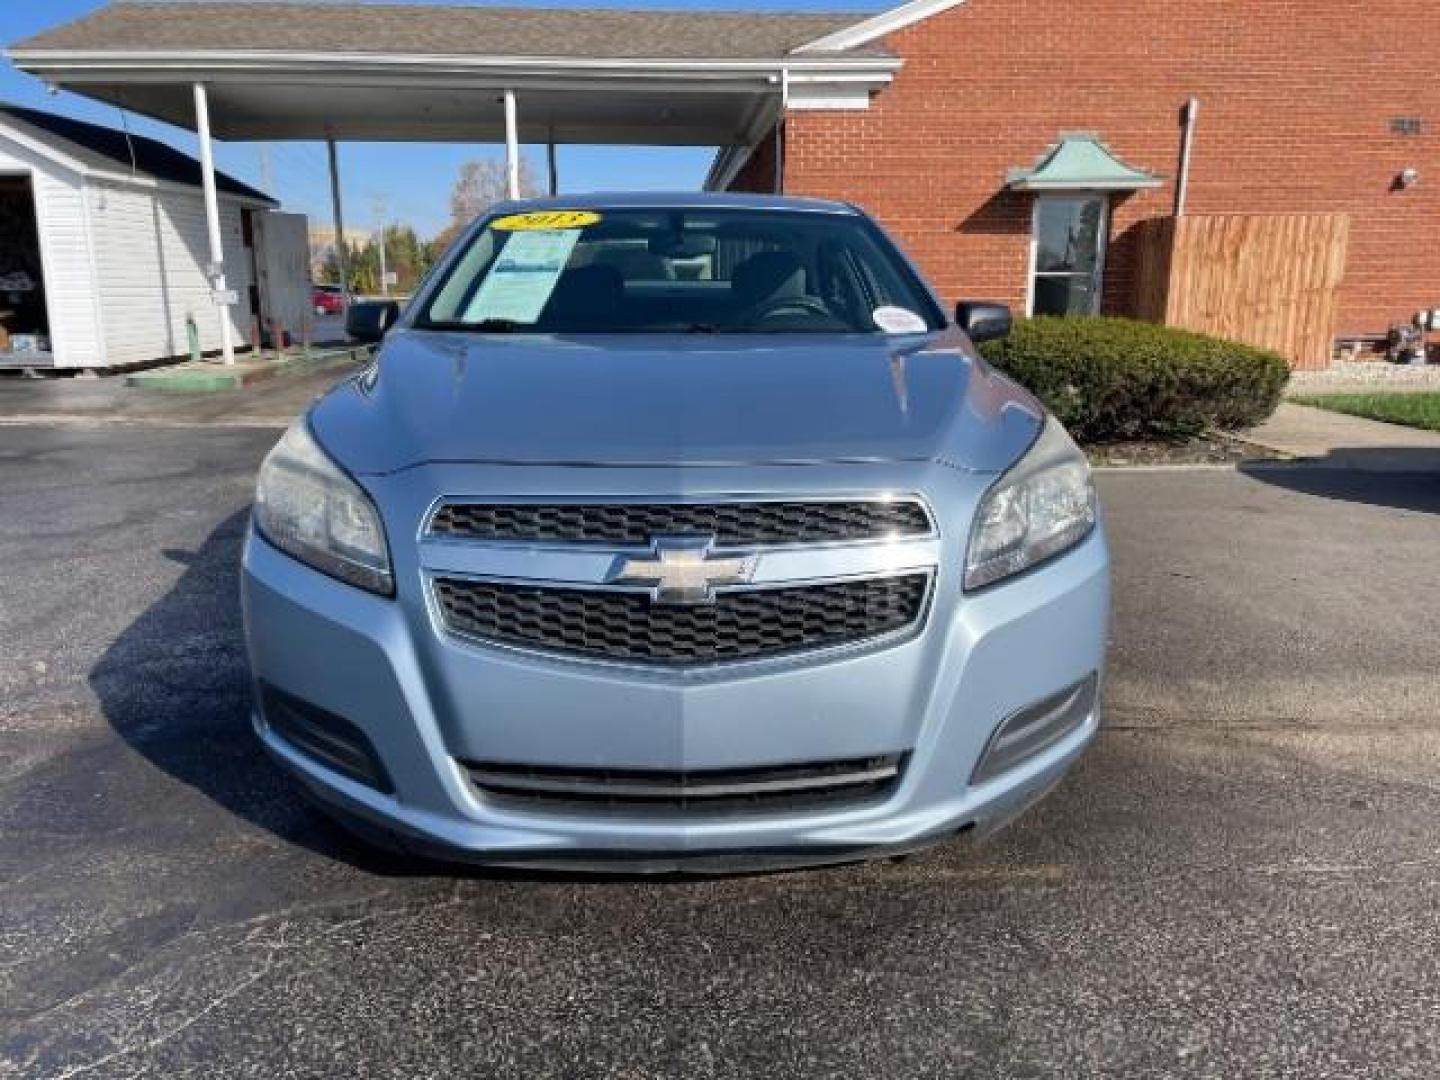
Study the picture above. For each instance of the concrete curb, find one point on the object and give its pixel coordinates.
(1321, 438)
(206, 376)
(158, 423)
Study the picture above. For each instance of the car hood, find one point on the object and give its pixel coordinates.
(675, 400)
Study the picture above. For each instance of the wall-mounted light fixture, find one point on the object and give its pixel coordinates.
(1407, 179)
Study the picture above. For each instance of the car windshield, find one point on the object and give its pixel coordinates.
(652, 271)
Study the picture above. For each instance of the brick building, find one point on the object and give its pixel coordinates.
(1028, 151)
(1316, 108)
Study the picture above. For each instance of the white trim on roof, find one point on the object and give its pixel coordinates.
(1106, 186)
(887, 22)
(43, 149)
(46, 149)
(247, 60)
(831, 96)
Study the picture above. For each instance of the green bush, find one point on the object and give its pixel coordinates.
(1111, 379)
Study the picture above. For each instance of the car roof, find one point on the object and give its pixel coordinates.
(674, 200)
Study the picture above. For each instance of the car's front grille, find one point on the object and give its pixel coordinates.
(629, 627)
(768, 789)
(731, 524)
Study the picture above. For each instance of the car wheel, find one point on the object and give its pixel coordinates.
(320, 309)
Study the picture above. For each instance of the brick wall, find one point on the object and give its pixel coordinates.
(1296, 105)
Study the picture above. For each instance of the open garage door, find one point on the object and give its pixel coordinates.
(24, 322)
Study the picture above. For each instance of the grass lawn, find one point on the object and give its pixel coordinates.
(1420, 409)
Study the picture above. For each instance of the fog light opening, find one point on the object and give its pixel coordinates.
(325, 738)
(1035, 728)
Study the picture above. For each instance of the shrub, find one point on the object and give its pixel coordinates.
(1119, 379)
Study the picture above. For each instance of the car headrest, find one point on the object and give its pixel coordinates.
(585, 295)
(767, 276)
(635, 265)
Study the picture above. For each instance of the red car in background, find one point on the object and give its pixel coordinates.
(327, 299)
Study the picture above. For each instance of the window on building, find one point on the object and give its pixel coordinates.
(1068, 254)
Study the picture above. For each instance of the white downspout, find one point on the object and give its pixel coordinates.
(1187, 137)
(212, 222)
(779, 131)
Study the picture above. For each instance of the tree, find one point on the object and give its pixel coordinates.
(480, 185)
(331, 270)
(405, 256)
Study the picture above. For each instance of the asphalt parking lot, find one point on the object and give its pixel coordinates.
(1240, 880)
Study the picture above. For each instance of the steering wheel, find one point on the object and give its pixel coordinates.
(809, 305)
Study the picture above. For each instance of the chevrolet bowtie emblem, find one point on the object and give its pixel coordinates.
(680, 570)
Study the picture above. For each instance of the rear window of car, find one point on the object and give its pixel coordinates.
(675, 270)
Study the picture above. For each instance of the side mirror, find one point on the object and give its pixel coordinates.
(368, 321)
(982, 321)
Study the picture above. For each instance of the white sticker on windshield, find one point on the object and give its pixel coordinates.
(899, 320)
(523, 278)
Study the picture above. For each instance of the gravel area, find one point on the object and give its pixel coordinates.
(1215, 448)
(1365, 376)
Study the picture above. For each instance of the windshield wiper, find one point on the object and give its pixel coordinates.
(702, 328)
(485, 326)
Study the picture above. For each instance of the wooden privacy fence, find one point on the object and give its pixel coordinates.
(1267, 280)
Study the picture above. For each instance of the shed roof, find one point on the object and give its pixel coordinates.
(111, 150)
(159, 25)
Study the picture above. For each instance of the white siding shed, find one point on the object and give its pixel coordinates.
(123, 251)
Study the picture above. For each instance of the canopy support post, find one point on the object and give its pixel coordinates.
(512, 146)
(342, 255)
(212, 222)
(780, 131)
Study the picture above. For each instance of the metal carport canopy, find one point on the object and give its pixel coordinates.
(395, 73)
(408, 73)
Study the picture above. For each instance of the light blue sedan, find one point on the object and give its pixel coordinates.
(675, 533)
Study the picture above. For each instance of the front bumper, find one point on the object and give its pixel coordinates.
(427, 703)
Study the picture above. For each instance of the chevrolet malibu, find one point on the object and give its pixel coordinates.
(675, 533)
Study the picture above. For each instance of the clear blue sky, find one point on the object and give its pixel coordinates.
(416, 178)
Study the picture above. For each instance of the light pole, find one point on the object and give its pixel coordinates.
(381, 212)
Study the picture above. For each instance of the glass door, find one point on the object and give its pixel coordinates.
(1068, 254)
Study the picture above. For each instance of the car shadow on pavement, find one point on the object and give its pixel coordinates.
(175, 685)
(1397, 478)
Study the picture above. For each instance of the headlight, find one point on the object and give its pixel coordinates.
(1043, 506)
(309, 509)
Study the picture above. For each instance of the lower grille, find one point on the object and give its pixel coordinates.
(627, 626)
(768, 789)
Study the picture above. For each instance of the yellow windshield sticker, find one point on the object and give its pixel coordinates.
(547, 219)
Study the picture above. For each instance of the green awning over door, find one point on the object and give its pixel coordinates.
(1081, 162)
